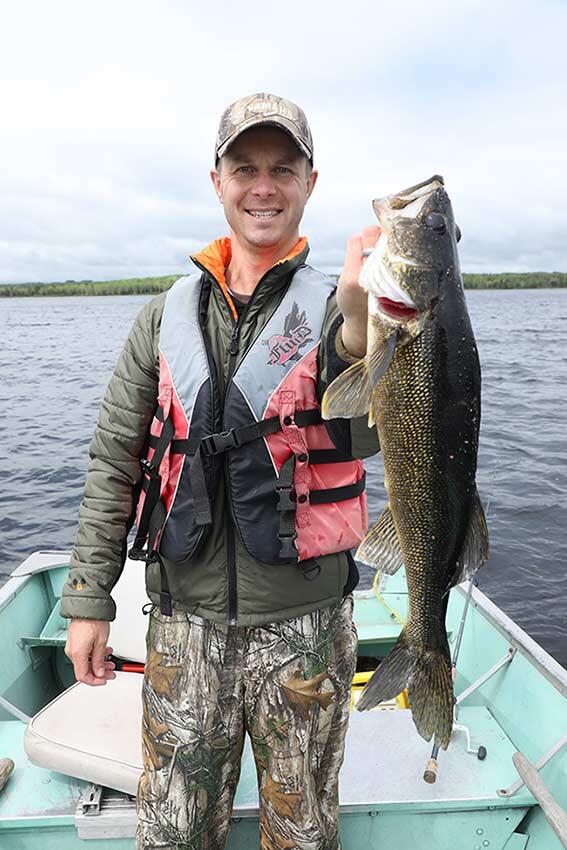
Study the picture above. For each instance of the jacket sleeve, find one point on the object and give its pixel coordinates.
(114, 472)
(352, 436)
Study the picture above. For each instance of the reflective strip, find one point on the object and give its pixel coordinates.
(181, 340)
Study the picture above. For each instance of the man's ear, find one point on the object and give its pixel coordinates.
(311, 180)
(215, 177)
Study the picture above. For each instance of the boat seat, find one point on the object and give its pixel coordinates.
(92, 733)
(104, 744)
(128, 630)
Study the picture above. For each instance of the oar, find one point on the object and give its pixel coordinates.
(555, 814)
(6, 770)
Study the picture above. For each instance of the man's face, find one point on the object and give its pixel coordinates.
(263, 183)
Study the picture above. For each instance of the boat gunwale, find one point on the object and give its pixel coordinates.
(9, 590)
(521, 640)
(551, 669)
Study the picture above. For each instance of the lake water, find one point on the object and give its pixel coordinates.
(57, 356)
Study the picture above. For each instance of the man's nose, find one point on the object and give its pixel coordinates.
(264, 184)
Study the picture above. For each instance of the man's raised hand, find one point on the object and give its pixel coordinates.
(352, 299)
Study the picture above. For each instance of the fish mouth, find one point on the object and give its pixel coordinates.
(389, 297)
(396, 309)
(409, 202)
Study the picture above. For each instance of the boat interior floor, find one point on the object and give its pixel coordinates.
(383, 768)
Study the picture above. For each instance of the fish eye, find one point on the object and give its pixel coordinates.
(436, 222)
(458, 233)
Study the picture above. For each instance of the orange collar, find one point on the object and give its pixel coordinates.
(216, 257)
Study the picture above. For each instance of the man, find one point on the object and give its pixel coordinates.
(249, 507)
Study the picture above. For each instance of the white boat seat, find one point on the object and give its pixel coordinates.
(128, 630)
(92, 733)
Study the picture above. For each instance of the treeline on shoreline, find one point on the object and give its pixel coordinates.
(513, 280)
(149, 285)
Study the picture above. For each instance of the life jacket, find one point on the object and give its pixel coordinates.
(292, 495)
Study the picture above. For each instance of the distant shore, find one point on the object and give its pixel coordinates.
(149, 285)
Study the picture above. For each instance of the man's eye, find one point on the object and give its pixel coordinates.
(245, 168)
(281, 169)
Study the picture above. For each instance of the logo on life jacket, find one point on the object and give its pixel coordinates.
(296, 334)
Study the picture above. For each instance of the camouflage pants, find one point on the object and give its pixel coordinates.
(288, 685)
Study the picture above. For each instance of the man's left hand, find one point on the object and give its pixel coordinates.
(352, 299)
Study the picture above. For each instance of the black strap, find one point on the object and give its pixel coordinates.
(152, 483)
(215, 444)
(165, 605)
(190, 447)
(328, 456)
(156, 522)
(201, 501)
(338, 494)
(353, 575)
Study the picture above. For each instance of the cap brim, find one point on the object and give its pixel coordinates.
(280, 123)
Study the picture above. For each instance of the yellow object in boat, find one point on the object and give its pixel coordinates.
(359, 681)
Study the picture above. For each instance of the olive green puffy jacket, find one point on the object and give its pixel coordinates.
(199, 584)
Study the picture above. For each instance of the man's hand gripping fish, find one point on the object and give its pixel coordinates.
(420, 383)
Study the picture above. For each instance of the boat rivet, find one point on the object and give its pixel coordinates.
(485, 843)
(372, 814)
(480, 831)
(477, 847)
(46, 781)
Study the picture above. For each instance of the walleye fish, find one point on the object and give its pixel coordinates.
(420, 383)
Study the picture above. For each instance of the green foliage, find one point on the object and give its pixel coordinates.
(130, 286)
(148, 285)
(511, 280)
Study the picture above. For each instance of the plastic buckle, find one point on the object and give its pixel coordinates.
(142, 555)
(311, 572)
(149, 468)
(286, 499)
(287, 549)
(215, 444)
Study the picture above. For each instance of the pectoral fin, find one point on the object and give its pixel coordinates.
(380, 548)
(349, 394)
(380, 357)
(475, 547)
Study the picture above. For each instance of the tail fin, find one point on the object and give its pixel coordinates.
(427, 675)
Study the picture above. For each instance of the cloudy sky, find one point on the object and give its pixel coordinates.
(109, 112)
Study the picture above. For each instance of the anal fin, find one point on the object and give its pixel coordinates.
(475, 547)
(392, 675)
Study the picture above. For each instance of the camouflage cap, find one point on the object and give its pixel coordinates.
(262, 109)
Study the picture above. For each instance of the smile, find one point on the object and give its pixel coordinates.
(263, 213)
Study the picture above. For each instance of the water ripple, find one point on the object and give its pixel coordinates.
(55, 374)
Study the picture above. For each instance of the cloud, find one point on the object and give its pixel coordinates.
(111, 114)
